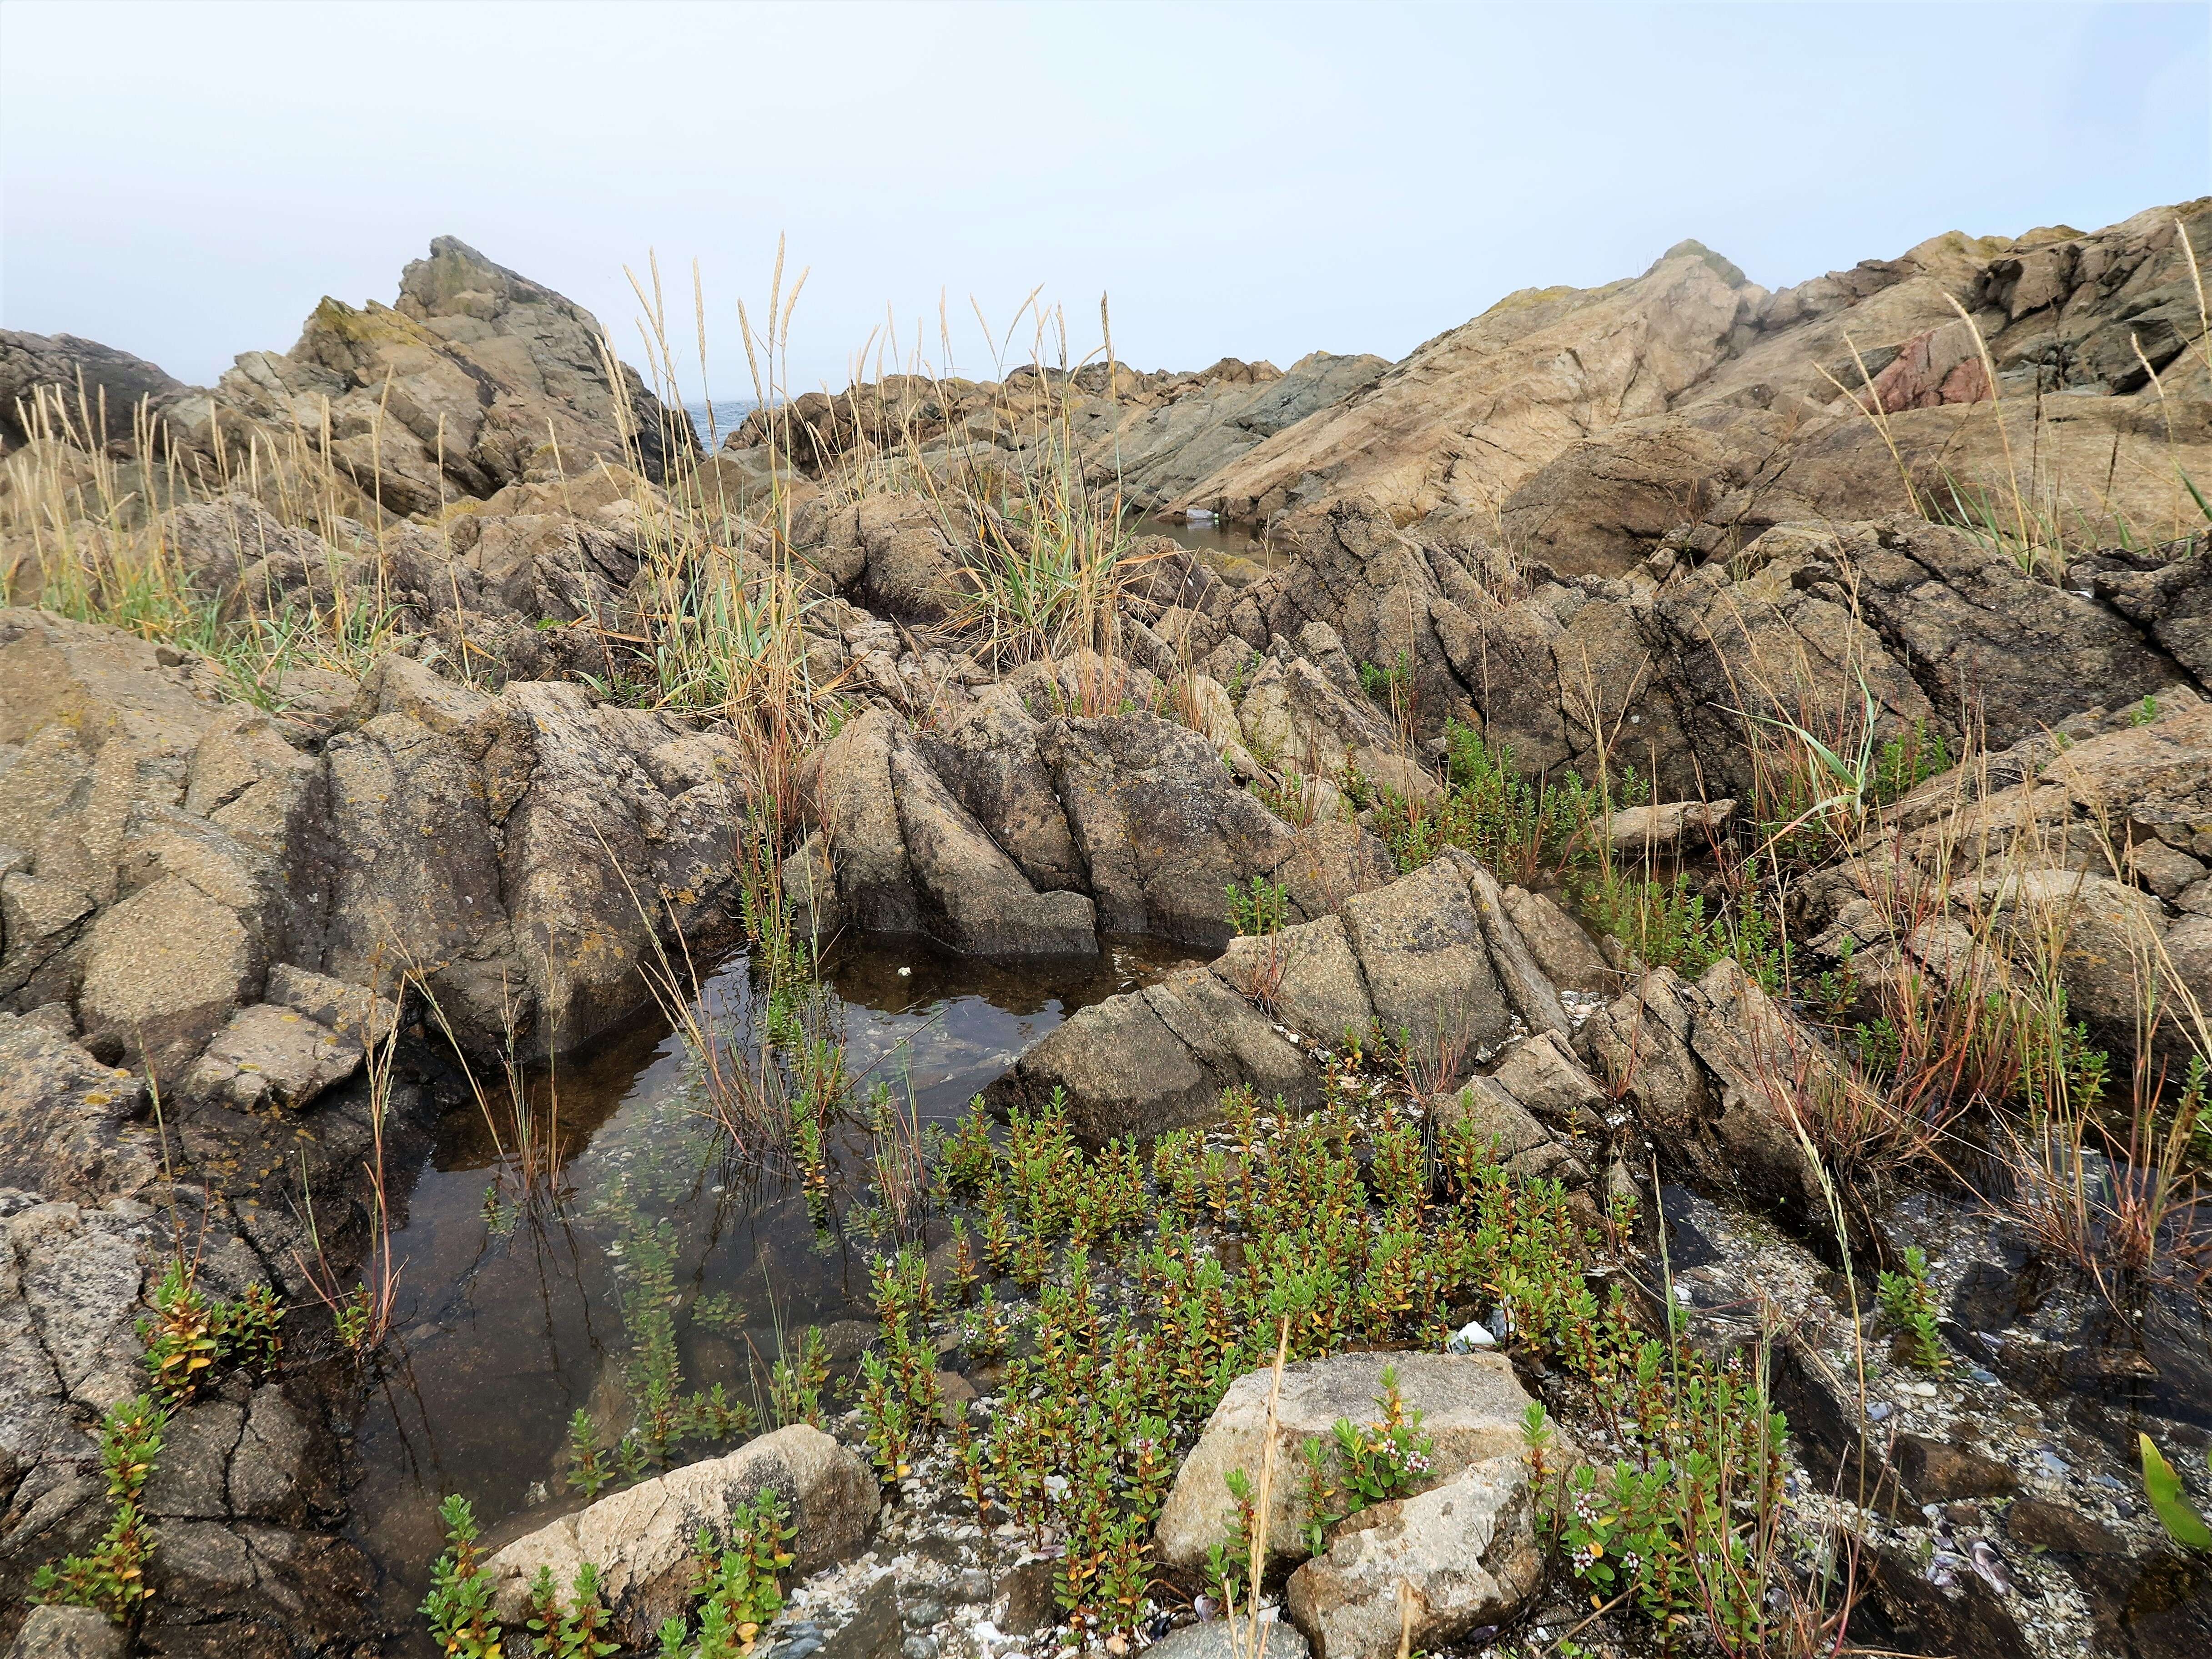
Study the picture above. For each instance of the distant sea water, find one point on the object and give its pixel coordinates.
(729, 414)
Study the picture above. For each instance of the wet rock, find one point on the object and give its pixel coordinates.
(642, 1538)
(1938, 1471)
(2034, 1523)
(1432, 1567)
(1472, 1405)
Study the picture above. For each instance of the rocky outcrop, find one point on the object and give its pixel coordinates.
(642, 1539)
(1770, 436)
(472, 379)
(1160, 444)
(1154, 434)
(91, 391)
(1468, 415)
(167, 851)
(2084, 846)
(908, 857)
(1714, 1071)
(1595, 423)
(1432, 961)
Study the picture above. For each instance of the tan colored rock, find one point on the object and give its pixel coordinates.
(270, 1057)
(1668, 826)
(1306, 975)
(1560, 945)
(1428, 1569)
(66, 1119)
(1469, 415)
(163, 970)
(468, 382)
(641, 1539)
(1523, 1145)
(1543, 1075)
(1471, 1404)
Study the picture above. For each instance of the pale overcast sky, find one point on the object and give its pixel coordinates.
(185, 179)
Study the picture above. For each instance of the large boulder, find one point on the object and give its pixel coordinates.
(1470, 1404)
(641, 1540)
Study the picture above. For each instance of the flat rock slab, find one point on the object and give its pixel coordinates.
(1471, 1404)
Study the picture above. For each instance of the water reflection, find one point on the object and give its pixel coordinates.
(512, 1314)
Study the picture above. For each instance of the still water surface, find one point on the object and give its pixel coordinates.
(510, 1321)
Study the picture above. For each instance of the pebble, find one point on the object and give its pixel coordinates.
(1471, 1335)
(1925, 1391)
(1878, 1412)
(921, 1615)
(2052, 1465)
(917, 1647)
(1987, 1378)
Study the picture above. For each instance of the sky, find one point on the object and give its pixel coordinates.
(186, 180)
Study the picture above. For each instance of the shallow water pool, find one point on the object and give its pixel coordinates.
(512, 1314)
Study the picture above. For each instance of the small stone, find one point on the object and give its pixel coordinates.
(921, 1615)
(1924, 1390)
(1878, 1412)
(917, 1647)
(1987, 1378)
(1470, 1336)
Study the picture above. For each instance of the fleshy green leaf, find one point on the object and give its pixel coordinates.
(2163, 1484)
